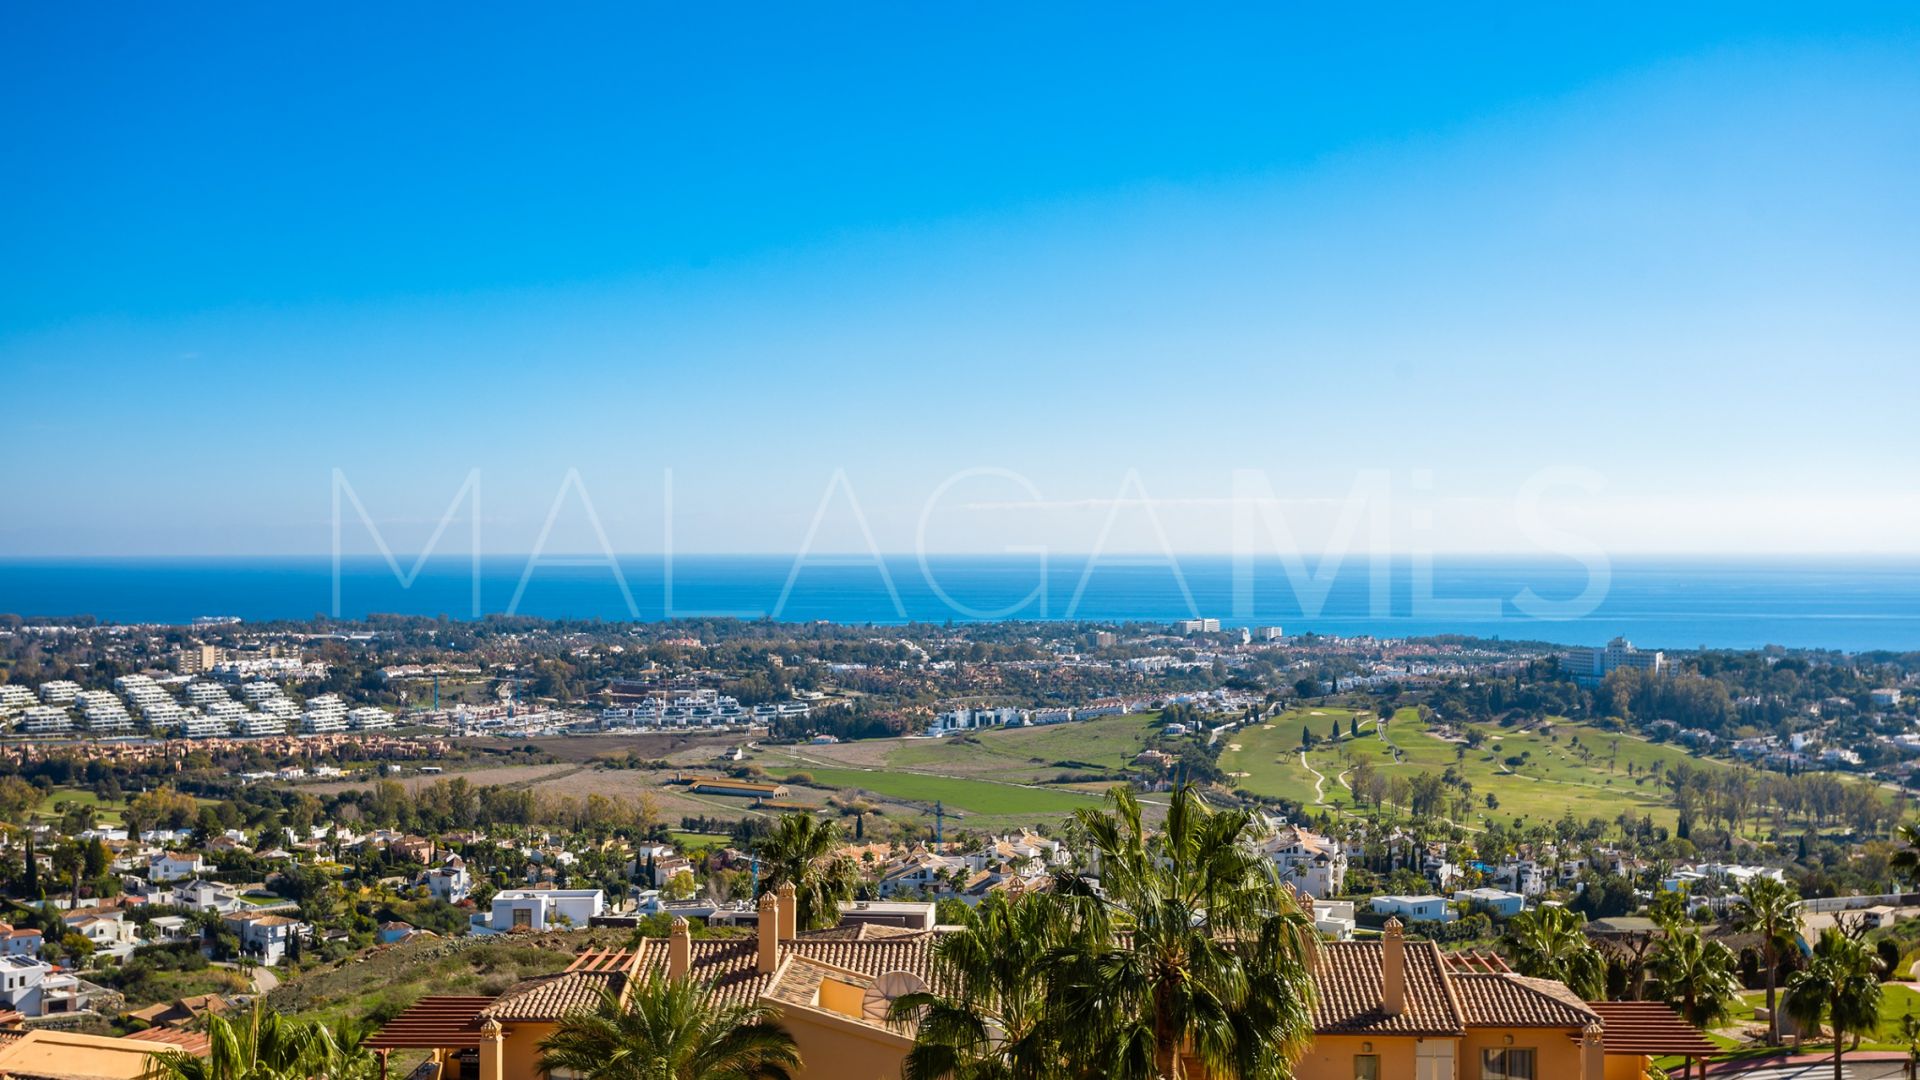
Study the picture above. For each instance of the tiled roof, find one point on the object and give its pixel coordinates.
(798, 980)
(193, 1042)
(1347, 997)
(861, 932)
(553, 996)
(732, 965)
(1508, 1000)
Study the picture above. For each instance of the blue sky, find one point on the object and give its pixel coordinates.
(1116, 252)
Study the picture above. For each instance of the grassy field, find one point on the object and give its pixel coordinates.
(964, 794)
(1532, 774)
(996, 778)
(690, 841)
(1109, 742)
(107, 811)
(1895, 1002)
(50, 806)
(375, 986)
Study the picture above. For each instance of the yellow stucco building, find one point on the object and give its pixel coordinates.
(1384, 1010)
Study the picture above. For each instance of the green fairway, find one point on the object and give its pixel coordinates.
(957, 793)
(1107, 742)
(690, 841)
(1570, 768)
(50, 807)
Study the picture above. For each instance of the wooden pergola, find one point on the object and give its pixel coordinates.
(1647, 1029)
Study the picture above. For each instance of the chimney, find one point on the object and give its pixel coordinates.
(789, 911)
(769, 927)
(679, 950)
(1310, 936)
(1593, 1053)
(1393, 970)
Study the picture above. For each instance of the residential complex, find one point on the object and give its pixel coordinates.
(1385, 1008)
(1588, 666)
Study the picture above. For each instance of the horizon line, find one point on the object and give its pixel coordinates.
(868, 556)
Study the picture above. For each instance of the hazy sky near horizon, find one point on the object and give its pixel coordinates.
(1660, 268)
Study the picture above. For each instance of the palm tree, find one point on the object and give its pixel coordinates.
(992, 1021)
(1695, 976)
(1769, 909)
(1193, 947)
(266, 1045)
(1552, 943)
(1905, 863)
(1910, 1034)
(669, 1029)
(805, 851)
(1838, 985)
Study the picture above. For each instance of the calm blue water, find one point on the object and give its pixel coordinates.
(1672, 603)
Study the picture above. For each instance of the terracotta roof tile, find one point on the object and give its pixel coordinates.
(553, 996)
(732, 965)
(192, 1042)
(1508, 1000)
(1347, 992)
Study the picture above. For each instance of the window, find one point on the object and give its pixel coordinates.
(1366, 1067)
(522, 917)
(1507, 1064)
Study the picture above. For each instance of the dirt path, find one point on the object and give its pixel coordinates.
(1319, 781)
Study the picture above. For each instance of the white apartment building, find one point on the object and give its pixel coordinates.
(325, 714)
(368, 718)
(322, 723)
(1200, 626)
(1589, 666)
(257, 692)
(165, 715)
(231, 711)
(1312, 863)
(204, 694)
(46, 720)
(104, 715)
(970, 719)
(255, 725)
(202, 726)
(14, 697)
(59, 692)
(198, 725)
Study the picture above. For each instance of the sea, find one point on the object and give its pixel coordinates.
(1847, 604)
